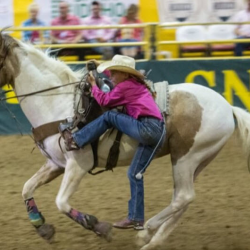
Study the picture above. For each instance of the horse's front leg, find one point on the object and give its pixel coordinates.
(72, 177)
(45, 174)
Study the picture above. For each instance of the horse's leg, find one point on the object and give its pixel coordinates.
(45, 174)
(183, 195)
(171, 220)
(158, 228)
(72, 177)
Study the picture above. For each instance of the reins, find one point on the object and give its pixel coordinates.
(30, 94)
(37, 92)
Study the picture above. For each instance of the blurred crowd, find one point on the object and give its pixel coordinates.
(96, 18)
(88, 35)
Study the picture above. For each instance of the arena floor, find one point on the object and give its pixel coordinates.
(218, 219)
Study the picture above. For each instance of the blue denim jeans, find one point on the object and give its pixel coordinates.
(240, 47)
(148, 131)
(100, 50)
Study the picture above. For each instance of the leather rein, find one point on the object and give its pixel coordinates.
(36, 92)
(82, 113)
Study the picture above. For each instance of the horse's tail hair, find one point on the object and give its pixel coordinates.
(243, 126)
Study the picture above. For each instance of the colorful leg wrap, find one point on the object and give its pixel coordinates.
(87, 221)
(35, 216)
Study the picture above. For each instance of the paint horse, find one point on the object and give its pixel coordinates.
(200, 123)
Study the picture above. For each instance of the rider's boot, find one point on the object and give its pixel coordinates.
(65, 131)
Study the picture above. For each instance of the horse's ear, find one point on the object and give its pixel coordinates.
(1, 38)
(1, 34)
(2, 30)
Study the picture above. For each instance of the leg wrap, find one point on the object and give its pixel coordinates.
(86, 220)
(35, 216)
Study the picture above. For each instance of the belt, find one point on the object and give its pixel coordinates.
(148, 118)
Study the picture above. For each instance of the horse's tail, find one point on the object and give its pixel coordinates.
(243, 126)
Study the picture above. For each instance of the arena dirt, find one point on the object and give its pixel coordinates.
(218, 219)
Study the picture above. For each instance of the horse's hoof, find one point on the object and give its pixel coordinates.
(46, 231)
(144, 237)
(152, 247)
(104, 230)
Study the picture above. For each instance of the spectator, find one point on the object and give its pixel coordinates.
(98, 35)
(33, 36)
(242, 31)
(130, 35)
(65, 19)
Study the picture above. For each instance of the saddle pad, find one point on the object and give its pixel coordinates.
(162, 96)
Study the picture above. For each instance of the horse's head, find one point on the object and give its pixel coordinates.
(87, 109)
(9, 61)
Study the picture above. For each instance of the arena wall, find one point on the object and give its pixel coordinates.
(228, 77)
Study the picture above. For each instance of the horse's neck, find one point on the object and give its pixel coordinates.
(38, 74)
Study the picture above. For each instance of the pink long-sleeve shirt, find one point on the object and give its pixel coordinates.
(134, 96)
(64, 35)
(106, 34)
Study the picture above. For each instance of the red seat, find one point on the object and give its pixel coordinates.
(193, 48)
(191, 33)
(221, 32)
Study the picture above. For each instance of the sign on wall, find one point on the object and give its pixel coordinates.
(230, 78)
(6, 13)
(115, 9)
(198, 11)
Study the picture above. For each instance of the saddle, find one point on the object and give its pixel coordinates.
(86, 110)
(93, 111)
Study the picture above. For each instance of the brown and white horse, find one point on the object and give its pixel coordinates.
(199, 125)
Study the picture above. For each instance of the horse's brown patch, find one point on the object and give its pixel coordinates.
(182, 124)
(9, 62)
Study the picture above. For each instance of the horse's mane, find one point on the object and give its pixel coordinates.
(56, 66)
(11, 52)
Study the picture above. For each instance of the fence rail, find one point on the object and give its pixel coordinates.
(151, 43)
(44, 44)
(203, 24)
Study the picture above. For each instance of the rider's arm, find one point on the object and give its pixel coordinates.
(112, 99)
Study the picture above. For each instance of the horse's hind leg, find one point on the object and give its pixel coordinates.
(72, 177)
(45, 174)
(158, 228)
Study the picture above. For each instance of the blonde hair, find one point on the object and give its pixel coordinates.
(33, 6)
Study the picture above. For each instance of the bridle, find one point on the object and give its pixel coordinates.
(85, 107)
(82, 110)
(4, 57)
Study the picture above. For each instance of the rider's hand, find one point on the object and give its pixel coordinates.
(95, 62)
(91, 79)
(100, 40)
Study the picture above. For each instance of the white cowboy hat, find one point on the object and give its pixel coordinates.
(121, 63)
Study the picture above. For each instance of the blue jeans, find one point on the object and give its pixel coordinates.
(129, 40)
(240, 47)
(148, 131)
(100, 50)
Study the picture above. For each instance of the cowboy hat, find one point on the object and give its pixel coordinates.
(120, 63)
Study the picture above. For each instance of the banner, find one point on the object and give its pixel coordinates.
(199, 11)
(82, 8)
(6, 13)
(230, 78)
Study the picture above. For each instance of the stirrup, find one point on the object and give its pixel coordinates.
(64, 126)
(70, 144)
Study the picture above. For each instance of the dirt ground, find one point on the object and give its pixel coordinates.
(219, 218)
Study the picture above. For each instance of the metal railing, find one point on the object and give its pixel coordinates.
(151, 43)
(161, 26)
(145, 43)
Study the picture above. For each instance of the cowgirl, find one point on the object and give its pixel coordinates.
(143, 121)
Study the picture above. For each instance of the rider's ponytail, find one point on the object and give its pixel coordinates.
(143, 82)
